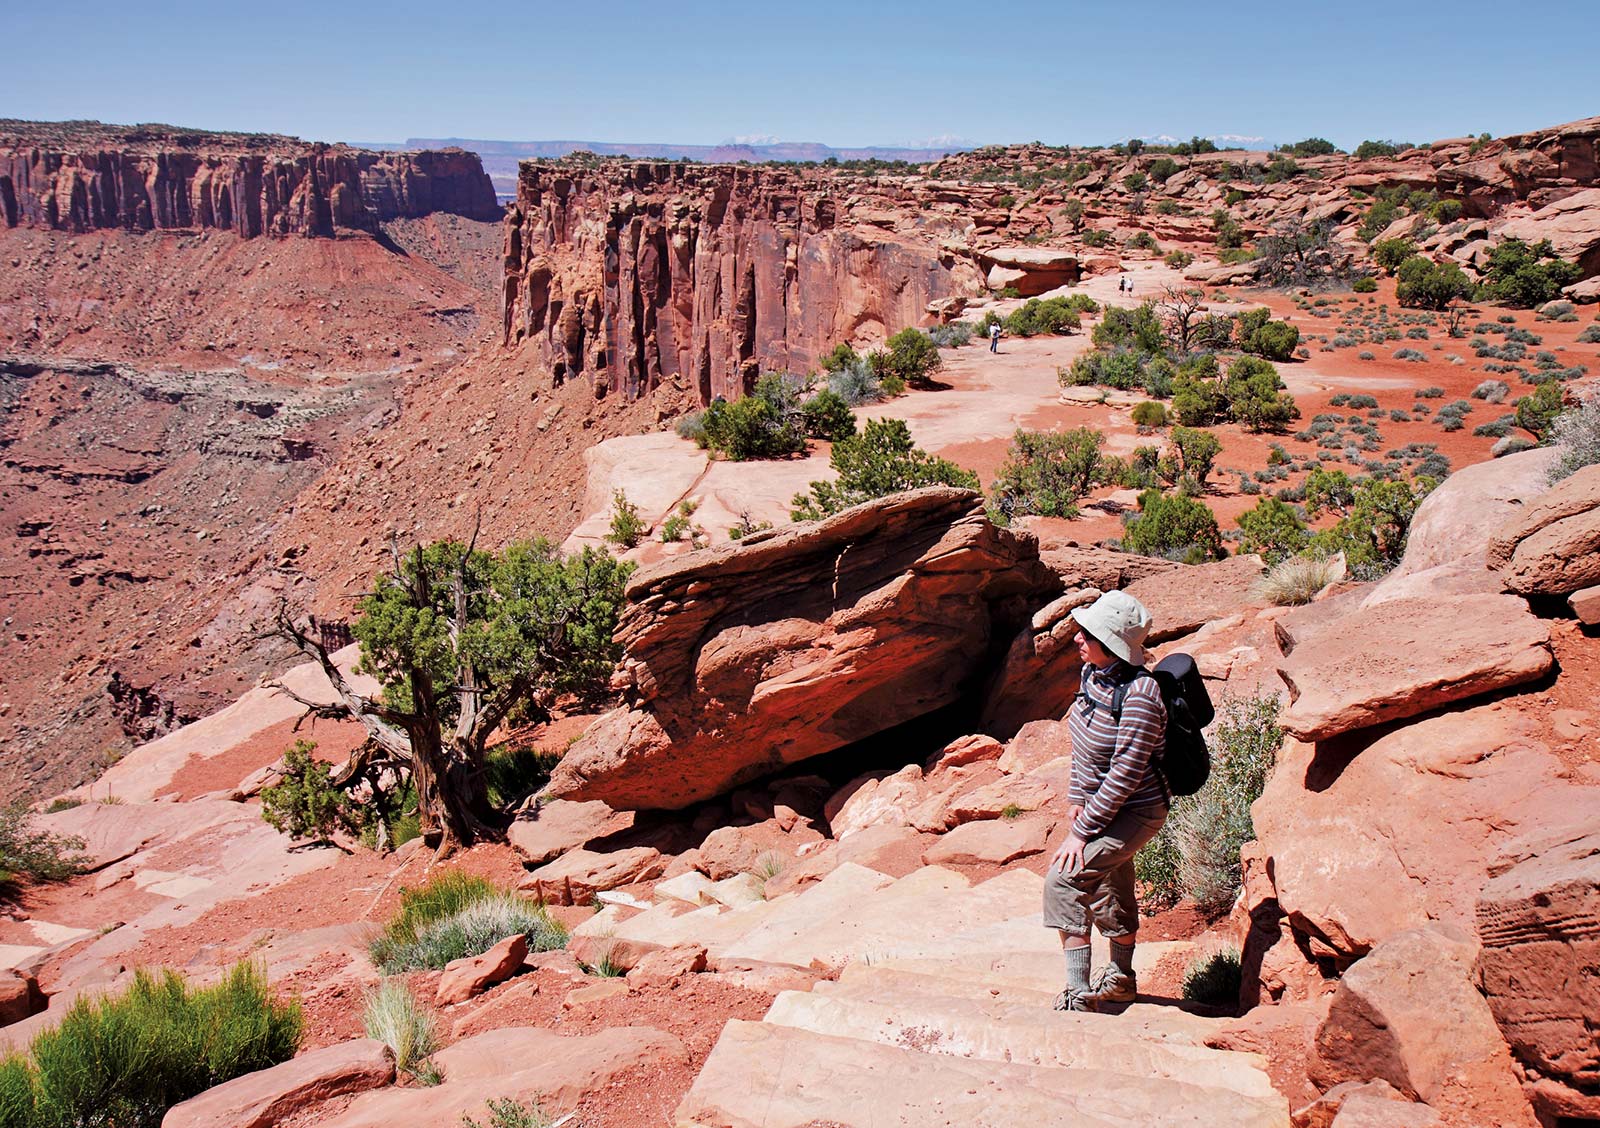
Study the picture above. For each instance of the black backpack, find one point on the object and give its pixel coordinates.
(1185, 762)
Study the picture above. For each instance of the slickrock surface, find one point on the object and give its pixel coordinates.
(1407, 656)
(747, 658)
(1539, 922)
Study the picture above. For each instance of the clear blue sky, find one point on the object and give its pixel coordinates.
(864, 73)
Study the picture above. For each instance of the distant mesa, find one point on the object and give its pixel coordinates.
(79, 176)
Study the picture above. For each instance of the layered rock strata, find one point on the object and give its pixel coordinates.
(746, 658)
(154, 178)
(635, 274)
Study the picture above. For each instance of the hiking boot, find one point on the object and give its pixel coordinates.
(1071, 1000)
(1112, 985)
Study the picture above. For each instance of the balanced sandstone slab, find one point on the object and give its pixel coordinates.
(1406, 657)
(1554, 547)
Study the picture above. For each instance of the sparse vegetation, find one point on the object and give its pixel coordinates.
(627, 527)
(1297, 580)
(505, 1112)
(1527, 274)
(1197, 852)
(1577, 433)
(456, 915)
(391, 1014)
(1214, 979)
(122, 1061)
(1047, 472)
(29, 855)
(880, 460)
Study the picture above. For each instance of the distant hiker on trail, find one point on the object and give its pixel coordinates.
(1117, 801)
(1122, 285)
(994, 337)
(1130, 285)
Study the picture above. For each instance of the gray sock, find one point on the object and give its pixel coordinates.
(1078, 968)
(1122, 957)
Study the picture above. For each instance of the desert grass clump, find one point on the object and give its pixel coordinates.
(393, 1015)
(1298, 579)
(505, 1112)
(122, 1061)
(455, 916)
(1214, 979)
(1196, 855)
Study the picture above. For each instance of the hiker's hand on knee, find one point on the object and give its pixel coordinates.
(1069, 859)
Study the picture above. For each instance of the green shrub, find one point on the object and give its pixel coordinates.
(856, 383)
(1094, 237)
(1388, 254)
(750, 428)
(1364, 285)
(1042, 315)
(1194, 453)
(1136, 181)
(391, 1014)
(841, 358)
(1006, 200)
(1275, 340)
(1177, 260)
(1537, 411)
(912, 357)
(122, 1061)
(305, 804)
(827, 416)
(680, 526)
(1173, 526)
(1369, 150)
(1139, 327)
(31, 855)
(1255, 396)
(1144, 241)
(1196, 855)
(1272, 529)
(1149, 414)
(1379, 216)
(1214, 980)
(1312, 147)
(1445, 211)
(627, 527)
(1590, 335)
(879, 461)
(1046, 472)
(1163, 169)
(1374, 518)
(1527, 275)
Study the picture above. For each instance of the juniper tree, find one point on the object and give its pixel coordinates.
(461, 639)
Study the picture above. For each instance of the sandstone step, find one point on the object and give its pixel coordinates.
(761, 1075)
(865, 918)
(1026, 1034)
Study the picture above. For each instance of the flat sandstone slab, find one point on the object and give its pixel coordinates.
(1405, 657)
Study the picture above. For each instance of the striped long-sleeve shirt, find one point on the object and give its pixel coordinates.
(1110, 761)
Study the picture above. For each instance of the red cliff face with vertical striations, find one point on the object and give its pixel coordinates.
(81, 176)
(632, 274)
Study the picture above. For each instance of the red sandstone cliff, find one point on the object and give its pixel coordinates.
(636, 273)
(80, 177)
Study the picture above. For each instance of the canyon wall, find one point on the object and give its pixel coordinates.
(81, 177)
(631, 274)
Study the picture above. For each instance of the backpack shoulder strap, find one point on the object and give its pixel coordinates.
(1120, 694)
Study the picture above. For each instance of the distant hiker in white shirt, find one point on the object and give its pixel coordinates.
(994, 337)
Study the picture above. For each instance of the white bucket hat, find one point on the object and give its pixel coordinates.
(1118, 622)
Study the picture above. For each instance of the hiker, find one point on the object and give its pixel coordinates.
(1117, 801)
(1130, 286)
(1122, 284)
(994, 337)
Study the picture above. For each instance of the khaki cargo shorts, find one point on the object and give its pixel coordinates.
(1101, 890)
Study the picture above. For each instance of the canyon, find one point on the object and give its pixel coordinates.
(814, 825)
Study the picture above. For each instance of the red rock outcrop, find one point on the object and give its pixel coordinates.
(633, 274)
(745, 658)
(1539, 923)
(1553, 548)
(147, 178)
